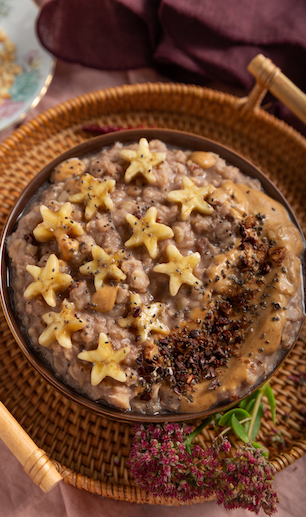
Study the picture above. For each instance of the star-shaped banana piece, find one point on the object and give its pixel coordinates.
(94, 192)
(47, 281)
(179, 268)
(147, 231)
(192, 198)
(68, 169)
(59, 225)
(61, 325)
(105, 361)
(104, 265)
(142, 161)
(144, 318)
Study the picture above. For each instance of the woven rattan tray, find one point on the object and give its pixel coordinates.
(89, 451)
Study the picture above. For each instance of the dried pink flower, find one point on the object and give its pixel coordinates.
(161, 464)
(165, 463)
(248, 482)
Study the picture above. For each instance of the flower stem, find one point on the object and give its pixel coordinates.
(261, 393)
(227, 429)
(197, 431)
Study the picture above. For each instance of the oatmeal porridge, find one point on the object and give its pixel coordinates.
(156, 279)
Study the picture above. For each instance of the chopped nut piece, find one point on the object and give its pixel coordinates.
(47, 281)
(144, 318)
(105, 361)
(192, 198)
(104, 298)
(151, 352)
(94, 192)
(61, 325)
(147, 231)
(142, 161)
(277, 255)
(60, 226)
(104, 265)
(179, 268)
(204, 160)
(68, 169)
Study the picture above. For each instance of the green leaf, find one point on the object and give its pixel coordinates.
(257, 422)
(188, 449)
(258, 446)
(243, 403)
(250, 405)
(239, 429)
(240, 414)
(217, 418)
(271, 399)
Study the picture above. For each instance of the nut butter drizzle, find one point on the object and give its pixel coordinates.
(227, 341)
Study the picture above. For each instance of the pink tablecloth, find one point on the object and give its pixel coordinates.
(19, 497)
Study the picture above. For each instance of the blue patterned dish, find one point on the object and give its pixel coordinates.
(17, 20)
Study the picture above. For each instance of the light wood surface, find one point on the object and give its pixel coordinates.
(34, 460)
(270, 77)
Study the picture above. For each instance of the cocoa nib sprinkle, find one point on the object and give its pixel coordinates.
(189, 356)
(29, 238)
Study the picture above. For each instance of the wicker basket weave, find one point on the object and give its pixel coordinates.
(89, 451)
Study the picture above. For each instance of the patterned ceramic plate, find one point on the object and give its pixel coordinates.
(26, 68)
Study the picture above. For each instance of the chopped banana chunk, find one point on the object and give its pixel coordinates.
(61, 325)
(68, 169)
(47, 281)
(179, 268)
(147, 231)
(105, 361)
(142, 161)
(60, 226)
(94, 192)
(192, 198)
(104, 299)
(144, 318)
(205, 160)
(104, 265)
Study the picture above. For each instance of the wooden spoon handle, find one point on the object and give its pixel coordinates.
(269, 77)
(34, 460)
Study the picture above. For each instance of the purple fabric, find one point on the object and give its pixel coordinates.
(194, 41)
(212, 38)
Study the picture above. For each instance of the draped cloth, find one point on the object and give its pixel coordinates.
(206, 39)
(192, 41)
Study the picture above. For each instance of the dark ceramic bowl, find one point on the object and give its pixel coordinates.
(180, 140)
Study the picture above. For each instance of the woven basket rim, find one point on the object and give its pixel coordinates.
(141, 88)
(68, 117)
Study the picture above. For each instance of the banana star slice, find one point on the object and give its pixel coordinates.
(106, 361)
(59, 225)
(142, 161)
(180, 269)
(68, 169)
(61, 325)
(144, 318)
(192, 198)
(147, 231)
(94, 192)
(104, 265)
(47, 281)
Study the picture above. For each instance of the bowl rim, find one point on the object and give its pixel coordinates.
(175, 138)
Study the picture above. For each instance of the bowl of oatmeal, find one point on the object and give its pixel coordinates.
(153, 275)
